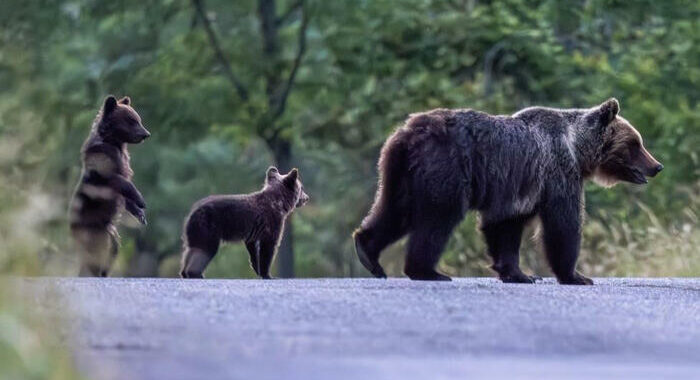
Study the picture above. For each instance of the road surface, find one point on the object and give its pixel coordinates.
(375, 329)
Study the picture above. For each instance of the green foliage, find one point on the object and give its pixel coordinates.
(367, 65)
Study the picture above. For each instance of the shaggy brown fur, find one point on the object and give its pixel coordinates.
(105, 186)
(442, 163)
(257, 219)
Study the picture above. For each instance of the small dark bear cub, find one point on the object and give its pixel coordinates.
(105, 186)
(257, 219)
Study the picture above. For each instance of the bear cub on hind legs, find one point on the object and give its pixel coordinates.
(257, 219)
(105, 187)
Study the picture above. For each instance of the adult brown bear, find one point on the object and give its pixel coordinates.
(442, 163)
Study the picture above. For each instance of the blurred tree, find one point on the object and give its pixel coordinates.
(228, 87)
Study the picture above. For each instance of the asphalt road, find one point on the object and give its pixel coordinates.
(375, 329)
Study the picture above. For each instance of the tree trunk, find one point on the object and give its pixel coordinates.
(282, 152)
(145, 262)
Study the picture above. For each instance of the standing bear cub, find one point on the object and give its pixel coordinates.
(105, 186)
(508, 168)
(257, 219)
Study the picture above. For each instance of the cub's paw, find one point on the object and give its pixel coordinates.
(141, 216)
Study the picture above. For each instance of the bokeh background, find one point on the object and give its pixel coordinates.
(230, 87)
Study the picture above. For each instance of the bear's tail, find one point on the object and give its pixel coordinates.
(388, 219)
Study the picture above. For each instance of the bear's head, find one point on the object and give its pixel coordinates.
(289, 184)
(119, 123)
(622, 156)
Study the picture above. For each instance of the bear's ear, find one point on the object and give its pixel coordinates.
(291, 178)
(608, 111)
(125, 100)
(272, 173)
(109, 105)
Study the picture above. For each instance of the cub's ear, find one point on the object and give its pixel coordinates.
(608, 111)
(125, 100)
(109, 105)
(272, 172)
(291, 177)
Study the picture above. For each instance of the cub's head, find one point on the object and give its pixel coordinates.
(289, 183)
(622, 153)
(119, 123)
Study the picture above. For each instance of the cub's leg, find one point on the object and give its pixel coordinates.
(561, 223)
(194, 261)
(127, 189)
(268, 248)
(503, 240)
(135, 210)
(201, 243)
(95, 248)
(113, 249)
(254, 252)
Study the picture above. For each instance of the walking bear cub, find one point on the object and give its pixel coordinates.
(508, 168)
(105, 186)
(257, 219)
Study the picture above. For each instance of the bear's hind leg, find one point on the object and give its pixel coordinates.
(194, 261)
(113, 250)
(427, 240)
(95, 248)
(425, 246)
(386, 224)
(503, 240)
(370, 242)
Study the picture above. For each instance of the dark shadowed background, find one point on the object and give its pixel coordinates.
(230, 87)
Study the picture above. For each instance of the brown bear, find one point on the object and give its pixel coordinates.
(257, 219)
(105, 186)
(509, 169)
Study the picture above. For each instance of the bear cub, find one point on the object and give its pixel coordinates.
(105, 186)
(257, 219)
(509, 169)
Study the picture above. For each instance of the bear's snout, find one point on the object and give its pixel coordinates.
(303, 199)
(655, 170)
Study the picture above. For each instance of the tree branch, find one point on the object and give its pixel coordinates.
(292, 8)
(282, 100)
(214, 41)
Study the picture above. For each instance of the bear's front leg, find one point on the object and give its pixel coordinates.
(128, 190)
(561, 223)
(266, 254)
(254, 254)
(135, 210)
(503, 241)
